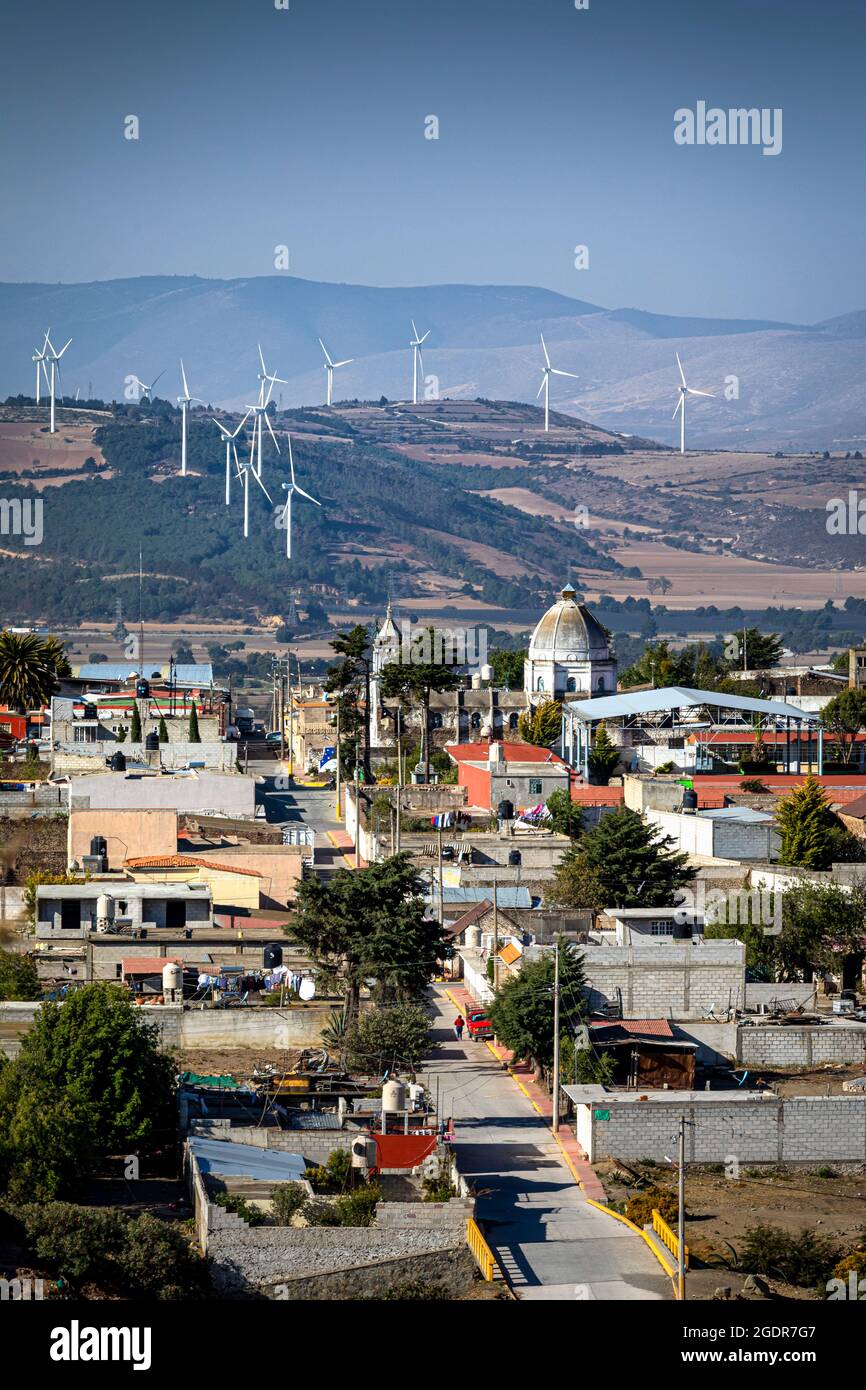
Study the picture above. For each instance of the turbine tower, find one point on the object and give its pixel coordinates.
(184, 401)
(39, 359)
(417, 359)
(684, 390)
(243, 472)
(290, 489)
(230, 436)
(548, 371)
(331, 367)
(54, 358)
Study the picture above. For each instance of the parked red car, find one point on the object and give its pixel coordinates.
(478, 1025)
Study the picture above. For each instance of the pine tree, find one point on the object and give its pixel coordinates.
(634, 868)
(604, 758)
(194, 736)
(807, 825)
(163, 729)
(541, 725)
(135, 724)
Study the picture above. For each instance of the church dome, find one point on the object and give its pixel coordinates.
(569, 632)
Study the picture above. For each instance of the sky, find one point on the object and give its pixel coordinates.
(304, 127)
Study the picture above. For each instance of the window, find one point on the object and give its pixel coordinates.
(118, 970)
(661, 928)
(535, 786)
(513, 721)
(540, 685)
(475, 721)
(84, 733)
(600, 683)
(571, 685)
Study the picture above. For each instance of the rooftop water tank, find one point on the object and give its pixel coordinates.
(172, 978)
(690, 802)
(272, 955)
(142, 689)
(103, 912)
(151, 741)
(117, 762)
(393, 1097)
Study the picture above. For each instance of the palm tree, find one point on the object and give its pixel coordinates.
(29, 669)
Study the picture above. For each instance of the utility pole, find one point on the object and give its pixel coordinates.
(399, 778)
(339, 810)
(681, 1213)
(441, 904)
(495, 936)
(555, 1116)
(357, 810)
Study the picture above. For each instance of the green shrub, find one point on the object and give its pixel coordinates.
(804, 1258)
(359, 1207)
(286, 1201)
(640, 1207)
(321, 1214)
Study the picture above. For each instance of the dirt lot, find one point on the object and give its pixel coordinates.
(719, 1210)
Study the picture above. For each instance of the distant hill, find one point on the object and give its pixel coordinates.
(777, 386)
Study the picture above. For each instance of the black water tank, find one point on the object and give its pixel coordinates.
(99, 845)
(272, 955)
(690, 801)
(151, 741)
(682, 931)
(514, 857)
(89, 710)
(505, 810)
(142, 689)
(117, 762)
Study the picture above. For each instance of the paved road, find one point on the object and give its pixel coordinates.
(552, 1244)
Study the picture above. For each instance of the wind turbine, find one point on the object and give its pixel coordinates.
(417, 359)
(331, 367)
(39, 359)
(144, 389)
(185, 401)
(54, 359)
(547, 372)
(265, 375)
(684, 390)
(290, 489)
(243, 471)
(230, 436)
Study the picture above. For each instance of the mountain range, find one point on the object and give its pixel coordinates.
(776, 385)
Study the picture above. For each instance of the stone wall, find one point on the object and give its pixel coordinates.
(454, 1269)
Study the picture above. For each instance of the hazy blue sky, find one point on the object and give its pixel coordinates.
(306, 127)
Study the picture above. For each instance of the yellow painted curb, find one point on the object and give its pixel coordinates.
(617, 1216)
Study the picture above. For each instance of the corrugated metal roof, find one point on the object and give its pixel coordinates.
(505, 897)
(680, 697)
(744, 813)
(246, 1160)
(312, 1119)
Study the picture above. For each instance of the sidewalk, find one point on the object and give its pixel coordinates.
(346, 846)
(521, 1072)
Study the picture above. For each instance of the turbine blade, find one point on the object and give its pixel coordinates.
(271, 433)
(325, 351)
(262, 360)
(544, 346)
(263, 488)
(693, 392)
(680, 365)
(301, 493)
(541, 387)
(677, 408)
(65, 346)
(242, 423)
(155, 380)
(345, 362)
(183, 379)
(557, 372)
(426, 336)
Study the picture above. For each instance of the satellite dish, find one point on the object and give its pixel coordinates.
(307, 988)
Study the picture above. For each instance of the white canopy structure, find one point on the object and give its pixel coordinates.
(686, 710)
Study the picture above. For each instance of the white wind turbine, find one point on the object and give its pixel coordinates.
(143, 389)
(290, 489)
(54, 358)
(331, 367)
(548, 371)
(184, 401)
(39, 359)
(417, 359)
(684, 390)
(243, 472)
(230, 436)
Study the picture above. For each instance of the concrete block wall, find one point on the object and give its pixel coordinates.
(754, 1129)
(784, 1046)
(666, 979)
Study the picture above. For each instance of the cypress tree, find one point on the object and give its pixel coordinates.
(194, 736)
(807, 825)
(135, 725)
(163, 730)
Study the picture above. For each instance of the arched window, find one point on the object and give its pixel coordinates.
(571, 685)
(435, 720)
(513, 720)
(475, 721)
(600, 683)
(540, 685)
